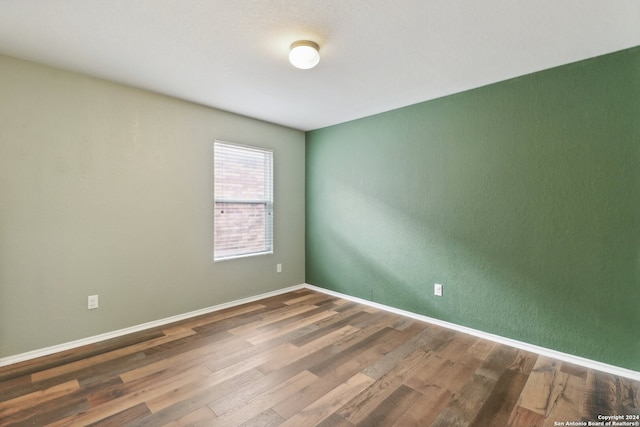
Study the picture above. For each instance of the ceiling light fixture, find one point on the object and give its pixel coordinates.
(304, 54)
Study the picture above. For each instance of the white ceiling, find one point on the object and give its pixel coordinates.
(376, 55)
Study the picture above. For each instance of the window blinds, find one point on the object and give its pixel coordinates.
(243, 201)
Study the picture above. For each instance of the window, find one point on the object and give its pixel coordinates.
(243, 201)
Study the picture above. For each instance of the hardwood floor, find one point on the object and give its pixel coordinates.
(306, 359)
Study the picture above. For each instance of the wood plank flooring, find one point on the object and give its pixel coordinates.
(306, 359)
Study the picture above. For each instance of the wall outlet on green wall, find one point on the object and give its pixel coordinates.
(437, 289)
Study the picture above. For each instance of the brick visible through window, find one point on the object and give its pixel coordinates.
(243, 201)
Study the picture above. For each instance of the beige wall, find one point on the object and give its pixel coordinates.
(106, 189)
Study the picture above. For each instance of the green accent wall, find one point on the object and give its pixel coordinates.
(522, 198)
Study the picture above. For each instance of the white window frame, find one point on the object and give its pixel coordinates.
(267, 201)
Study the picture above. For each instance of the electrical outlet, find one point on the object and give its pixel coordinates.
(278, 268)
(437, 290)
(92, 302)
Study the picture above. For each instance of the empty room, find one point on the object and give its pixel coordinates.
(319, 213)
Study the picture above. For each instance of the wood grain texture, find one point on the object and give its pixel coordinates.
(305, 359)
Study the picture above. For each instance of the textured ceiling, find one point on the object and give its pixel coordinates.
(376, 55)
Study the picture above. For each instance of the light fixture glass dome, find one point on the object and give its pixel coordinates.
(304, 54)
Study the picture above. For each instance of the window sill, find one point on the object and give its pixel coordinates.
(228, 258)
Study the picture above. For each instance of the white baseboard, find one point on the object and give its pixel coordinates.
(581, 361)
(23, 357)
(577, 360)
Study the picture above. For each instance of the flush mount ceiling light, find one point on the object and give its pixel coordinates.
(304, 54)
